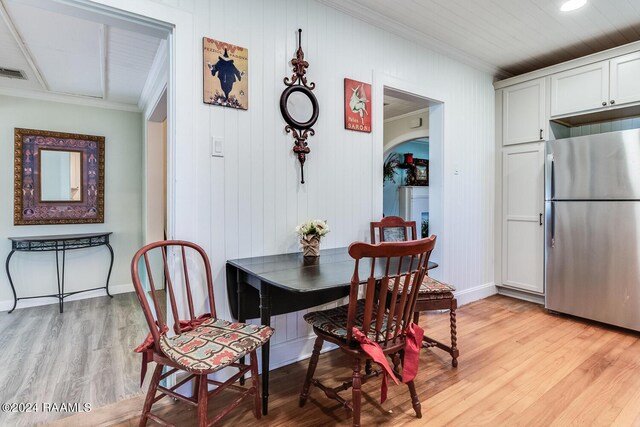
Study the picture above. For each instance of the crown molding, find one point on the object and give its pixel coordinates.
(573, 63)
(385, 23)
(68, 99)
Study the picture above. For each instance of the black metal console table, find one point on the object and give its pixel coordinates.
(59, 244)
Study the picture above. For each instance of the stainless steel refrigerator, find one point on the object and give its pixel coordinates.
(592, 227)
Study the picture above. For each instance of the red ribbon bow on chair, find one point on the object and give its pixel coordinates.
(146, 348)
(413, 344)
(374, 351)
(190, 325)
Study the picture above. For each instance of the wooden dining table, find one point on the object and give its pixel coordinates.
(265, 286)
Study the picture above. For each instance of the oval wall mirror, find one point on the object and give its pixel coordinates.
(299, 107)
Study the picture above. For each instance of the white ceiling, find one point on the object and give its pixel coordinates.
(71, 51)
(397, 104)
(506, 37)
(65, 50)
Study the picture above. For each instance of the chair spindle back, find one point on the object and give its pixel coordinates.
(393, 229)
(158, 323)
(398, 268)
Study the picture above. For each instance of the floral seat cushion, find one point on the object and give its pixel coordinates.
(334, 321)
(430, 288)
(214, 344)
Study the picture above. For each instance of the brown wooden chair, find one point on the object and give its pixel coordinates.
(201, 344)
(434, 295)
(382, 316)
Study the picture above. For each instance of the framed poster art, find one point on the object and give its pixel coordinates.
(421, 171)
(357, 106)
(226, 74)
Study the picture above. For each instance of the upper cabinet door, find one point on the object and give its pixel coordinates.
(580, 89)
(625, 79)
(523, 111)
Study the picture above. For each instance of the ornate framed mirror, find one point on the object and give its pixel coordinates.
(299, 106)
(58, 178)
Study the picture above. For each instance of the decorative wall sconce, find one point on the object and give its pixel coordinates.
(299, 106)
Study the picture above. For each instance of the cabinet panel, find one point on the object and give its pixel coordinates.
(523, 113)
(523, 234)
(625, 79)
(581, 89)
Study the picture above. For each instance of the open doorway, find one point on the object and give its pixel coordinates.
(156, 172)
(412, 161)
(88, 70)
(406, 151)
(155, 159)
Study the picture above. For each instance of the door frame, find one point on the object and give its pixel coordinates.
(152, 119)
(436, 101)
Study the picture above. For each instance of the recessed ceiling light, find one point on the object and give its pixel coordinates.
(572, 5)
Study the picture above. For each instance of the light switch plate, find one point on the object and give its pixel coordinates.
(217, 146)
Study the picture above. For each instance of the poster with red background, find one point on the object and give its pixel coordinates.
(357, 105)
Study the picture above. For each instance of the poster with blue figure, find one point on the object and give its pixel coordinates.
(225, 71)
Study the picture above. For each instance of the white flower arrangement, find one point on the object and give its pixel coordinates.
(314, 228)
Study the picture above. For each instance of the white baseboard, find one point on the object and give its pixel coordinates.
(476, 293)
(514, 293)
(113, 289)
(288, 352)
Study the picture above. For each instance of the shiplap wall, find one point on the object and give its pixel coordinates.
(249, 202)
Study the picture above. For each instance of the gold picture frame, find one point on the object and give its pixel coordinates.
(29, 208)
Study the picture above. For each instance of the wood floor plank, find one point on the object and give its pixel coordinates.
(489, 385)
(82, 355)
(539, 373)
(591, 404)
(519, 365)
(629, 415)
(575, 369)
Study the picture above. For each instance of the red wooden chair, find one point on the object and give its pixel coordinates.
(201, 344)
(384, 316)
(434, 295)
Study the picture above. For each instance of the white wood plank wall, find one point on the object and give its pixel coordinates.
(249, 202)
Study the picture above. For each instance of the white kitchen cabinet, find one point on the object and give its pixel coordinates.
(624, 79)
(522, 219)
(414, 201)
(523, 112)
(580, 89)
(596, 86)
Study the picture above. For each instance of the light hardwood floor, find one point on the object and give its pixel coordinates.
(83, 355)
(519, 365)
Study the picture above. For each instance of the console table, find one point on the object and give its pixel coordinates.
(60, 244)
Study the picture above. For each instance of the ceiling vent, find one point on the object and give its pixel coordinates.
(12, 74)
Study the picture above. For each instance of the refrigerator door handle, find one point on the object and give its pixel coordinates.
(549, 178)
(552, 225)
